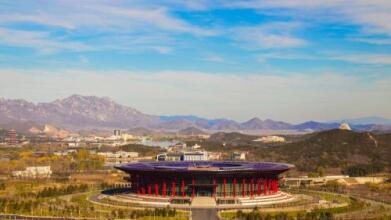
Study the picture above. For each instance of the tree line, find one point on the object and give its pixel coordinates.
(54, 191)
(134, 214)
(255, 214)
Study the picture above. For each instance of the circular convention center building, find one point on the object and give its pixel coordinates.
(226, 182)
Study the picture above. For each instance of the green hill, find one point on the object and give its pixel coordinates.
(337, 149)
(349, 152)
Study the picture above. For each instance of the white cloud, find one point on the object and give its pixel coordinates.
(264, 57)
(38, 40)
(100, 14)
(214, 58)
(97, 24)
(44, 42)
(373, 16)
(318, 96)
(162, 50)
(276, 41)
(83, 59)
(37, 19)
(371, 40)
(377, 59)
(270, 35)
(357, 58)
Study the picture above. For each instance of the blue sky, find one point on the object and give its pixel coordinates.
(287, 60)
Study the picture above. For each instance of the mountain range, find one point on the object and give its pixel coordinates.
(90, 112)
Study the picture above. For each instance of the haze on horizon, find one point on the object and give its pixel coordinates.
(281, 59)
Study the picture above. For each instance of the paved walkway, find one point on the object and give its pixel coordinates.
(204, 214)
(203, 202)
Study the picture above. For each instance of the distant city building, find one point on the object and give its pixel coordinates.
(161, 157)
(170, 156)
(127, 137)
(196, 146)
(11, 137)
(119, 154)
(238, 156)
(117, 133)
(214, 155)
(345, 126)
(311, 181)
(73, 144)
(34, 172)
(203, 136)
(183, 156)
(65, 152)
(195, 156)
(119, 157)
(271, 139)
(177, 147)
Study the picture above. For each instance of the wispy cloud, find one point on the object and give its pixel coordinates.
(42, 41)
(99, 21)
(356, 58)
(83, 59)
(376, 59)
(270, 35)
(214, 58)
(372, 40)
(264, 57)
(103, 14)
(374, 16)
(162, 49)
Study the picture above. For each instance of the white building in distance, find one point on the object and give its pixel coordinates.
(119, 157)
(345, 126)
(214, 155)
(238, 156)
(196, 146)
(65, 152)
(271, 139)
(183, 156)
(34, 172)
(119, 154)
(195, 156)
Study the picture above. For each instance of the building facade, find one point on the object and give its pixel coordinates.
(238, 156)
(119, 157)
(11, 137)
(183, 156)
(222, 179)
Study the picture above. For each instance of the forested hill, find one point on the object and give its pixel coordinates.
(338, 149)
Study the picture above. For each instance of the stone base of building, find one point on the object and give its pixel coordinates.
(198, 202)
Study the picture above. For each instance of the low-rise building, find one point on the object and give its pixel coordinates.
(65, 152)
(196, 146)
(34, 172)
(183, 156)
(311, 181)
(214, 155)
(238, 156)
(119, 154)
(170, 156)
(119, 157)
(194, 156)
(11, 137)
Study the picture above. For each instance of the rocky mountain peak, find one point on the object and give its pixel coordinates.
(255, 120)
(92, 112)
